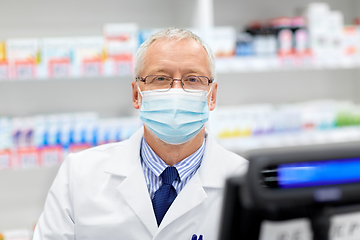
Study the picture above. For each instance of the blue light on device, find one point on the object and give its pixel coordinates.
(320, 173)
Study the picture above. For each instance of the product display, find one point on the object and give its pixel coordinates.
(316, 37)
(72, 57)
(22, 56)
(121, 44)
(57, 56)
(242, 128)
(45, 140)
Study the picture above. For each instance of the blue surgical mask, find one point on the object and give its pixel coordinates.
(174, 116)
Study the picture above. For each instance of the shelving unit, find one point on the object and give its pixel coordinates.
(111, 97)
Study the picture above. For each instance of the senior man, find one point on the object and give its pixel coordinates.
(166, 181)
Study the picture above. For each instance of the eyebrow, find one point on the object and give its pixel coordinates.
(160, 70)
(195, 71)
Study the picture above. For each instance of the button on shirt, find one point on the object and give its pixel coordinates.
(153, 166)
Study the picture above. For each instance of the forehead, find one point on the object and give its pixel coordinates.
(172, 54)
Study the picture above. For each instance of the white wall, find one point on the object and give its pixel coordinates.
(41, 18)
(241, 12)
(110, 97)
(23, 195)
(288, 86)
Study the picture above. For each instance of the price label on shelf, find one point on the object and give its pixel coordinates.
(92, 68)
(122, 64)
(287, 61)
(24, 70)
(3, 71)
(78, 147)
(60, 70)
(123, 68)
(51, 156)
(28, 157)
(5, 159)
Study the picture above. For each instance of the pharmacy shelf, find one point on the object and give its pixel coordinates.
(292, 139)
(239, 65)
(110, 97)
(277, 64)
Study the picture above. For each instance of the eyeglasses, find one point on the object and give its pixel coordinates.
(164, 83)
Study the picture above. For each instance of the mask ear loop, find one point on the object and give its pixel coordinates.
(207, 95)
(209, 91)
(141, 94)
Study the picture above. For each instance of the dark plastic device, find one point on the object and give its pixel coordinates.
(314, 184)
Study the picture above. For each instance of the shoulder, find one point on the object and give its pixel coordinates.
(231, 162)
(107, 156)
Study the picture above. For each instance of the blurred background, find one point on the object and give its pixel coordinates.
(288, 74)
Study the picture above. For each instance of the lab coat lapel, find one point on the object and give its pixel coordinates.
(190, 196)
(209, 175)
(133, 188)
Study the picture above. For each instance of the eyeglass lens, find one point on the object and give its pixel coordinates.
(164, 83)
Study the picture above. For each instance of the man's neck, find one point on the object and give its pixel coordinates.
(172, 154)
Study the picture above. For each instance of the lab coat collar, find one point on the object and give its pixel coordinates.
(192, 195)
(211, 171)
(211, 174)
(134, 191)
(133, 188)
(128, 156)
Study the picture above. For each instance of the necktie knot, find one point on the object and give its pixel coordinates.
(169, 175)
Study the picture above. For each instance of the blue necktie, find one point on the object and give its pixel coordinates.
(166, 194)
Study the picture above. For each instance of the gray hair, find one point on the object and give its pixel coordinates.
(172, 33)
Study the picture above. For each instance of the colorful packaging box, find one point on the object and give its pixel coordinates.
(4, 73)
(5, 143)
(121, 44)
(351, 40)
(223, 41)
(2, 52)
(317, 16)
(23, 56)
(88, 56)
(144, 34)
(57, 57)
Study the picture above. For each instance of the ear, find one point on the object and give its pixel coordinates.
(135, 95)
(212, 96)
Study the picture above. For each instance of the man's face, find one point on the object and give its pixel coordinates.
(176, 59)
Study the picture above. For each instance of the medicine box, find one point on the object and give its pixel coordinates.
(23, 55)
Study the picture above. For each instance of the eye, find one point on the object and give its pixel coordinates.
(193, 79)
(160, 78)
(157, 79)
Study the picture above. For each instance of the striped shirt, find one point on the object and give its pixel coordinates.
(153, 166)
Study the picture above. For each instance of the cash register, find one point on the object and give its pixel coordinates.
(281, 186)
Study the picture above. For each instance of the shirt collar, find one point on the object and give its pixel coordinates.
(185, 167)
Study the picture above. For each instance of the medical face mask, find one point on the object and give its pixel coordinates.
(174, 116)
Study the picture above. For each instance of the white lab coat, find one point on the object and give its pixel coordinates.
(101, 194)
